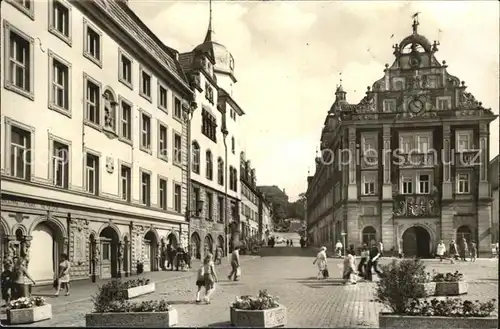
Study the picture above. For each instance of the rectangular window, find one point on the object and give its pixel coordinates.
(209, 125)
(177, 108)
(60, 84)
(162, 97)
(368, 185)
(464, 141)
(406, 144)
(162, 186)
(145, 84)
(424, 184)
(126, 120)
(145, 132)
(177, 148)
(126, 70)
(60, 18)
(221, 209)
(93, 99)
(60, 165)
(93, 46)
(19, 69)
(162, 142)
(146, 189)
(126, 180)
(210, 205)
(423, 144)
(106, 251)
(443, 104)
(92, 174)
(389, 105)
(194, 200)
(431, 81)
(406, 185)
(20, 153)
(463, 183)
(177, 197)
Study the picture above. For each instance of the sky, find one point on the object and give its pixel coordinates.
(290, 55)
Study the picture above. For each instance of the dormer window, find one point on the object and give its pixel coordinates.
(443, 103)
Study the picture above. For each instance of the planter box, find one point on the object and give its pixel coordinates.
(451, 288)
(140, 290)
(430, 288)
(29, 315)
(275, 317)
(132, 320)
(389, 320)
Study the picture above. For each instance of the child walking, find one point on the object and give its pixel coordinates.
(6, 282)
(206, 278)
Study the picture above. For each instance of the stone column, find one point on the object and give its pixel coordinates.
(484, 226)
(386, 160)
(446, 159)
(484, 185)
(352, 189)
(352, 228)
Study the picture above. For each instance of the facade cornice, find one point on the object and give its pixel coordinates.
(225, 96)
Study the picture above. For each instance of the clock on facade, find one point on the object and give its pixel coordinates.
(416, 106)
(414, 61)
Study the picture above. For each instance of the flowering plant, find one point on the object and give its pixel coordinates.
(447, 277)
(454, 307)
(263, 301)
(26, 302)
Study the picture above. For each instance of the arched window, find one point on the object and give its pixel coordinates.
(210, 165)
(369, 235)
(196, 158)
(220, 171)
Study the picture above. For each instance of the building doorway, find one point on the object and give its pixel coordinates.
(151, 247)
(417, 242)
(172, 240)
(369, 234)
(208, 245)
(46, 247)
(464, 231)
(109, 240)
(195, 246)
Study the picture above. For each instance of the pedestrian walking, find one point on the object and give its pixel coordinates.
(381, 249)
(218, 255)
(321, 262)
(373, 262)
(207, 277)
(19, 286)
(235, 265)
(441, 250)
(338, 249)
(6, 280)
(63, 275)
(400, 248)
(170, 257)
(473, 251)
(363, 262)
(179, 258)
(349, 272)
(453, 251)
(291, 243)
(287, 242)
(464, 250)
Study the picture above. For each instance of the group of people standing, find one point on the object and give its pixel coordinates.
(457, 251)
(176, 257)
(289, 243)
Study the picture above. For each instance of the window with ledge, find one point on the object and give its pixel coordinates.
(196, 158)
(60, 164)
(25, 6)
(210, 205)
(93, 46)
(194, 200)
(145, 188)
(209, 165)
(405, 144)
(92, 101)
(209, 93)
(463, 183)
(20, 153)
(431, 81)
(162, 97)
(126, 180)
(162, 142)
(406, 184)
(209, 125)
(60, 20)
(92, 173)
(145, 132)
(19, 71)
(125, 72)
(177, 108)
(424, 183)
(221, 208)
(220, 171)
(145, 90)
(60, 79)
(368, 185)
(126, 120)
(389, 105)
(443, 103)
(162, 193)
(177, 197)
(177, 148)
(233, 145)
(423, 144)
(463, 140)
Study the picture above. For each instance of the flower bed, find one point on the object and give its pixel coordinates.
(28, 310)
(262, 311)
(450, 284)
(112, 309)
(131, 288)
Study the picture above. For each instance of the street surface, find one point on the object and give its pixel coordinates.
(285, 272)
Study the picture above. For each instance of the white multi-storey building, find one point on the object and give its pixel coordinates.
(92, 138)
(214, 145)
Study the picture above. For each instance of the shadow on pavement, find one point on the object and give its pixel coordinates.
(182, 302)
(226, 324)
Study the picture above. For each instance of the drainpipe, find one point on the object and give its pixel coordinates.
(68, 228)
(130, 226)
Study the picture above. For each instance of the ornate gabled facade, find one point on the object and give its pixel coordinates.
(408, 165)
(214, 145)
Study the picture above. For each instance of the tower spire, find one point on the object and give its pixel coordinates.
(208, 37)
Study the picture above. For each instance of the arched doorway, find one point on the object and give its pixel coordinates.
(195, 246)
(172, 240)
(464, 231)
(369, 234)
(46, 247)
(151, 247)
(208, 244)
(220, 242)
(417, 242)
(109, 239)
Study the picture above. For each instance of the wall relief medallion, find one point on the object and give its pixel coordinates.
(110, 165)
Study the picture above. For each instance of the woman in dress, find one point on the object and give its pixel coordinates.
(321, 262)
(206, 278)
(348, 274)
(63, 276)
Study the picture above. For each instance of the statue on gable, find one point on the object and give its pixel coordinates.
(397, 50)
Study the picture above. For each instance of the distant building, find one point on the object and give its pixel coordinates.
(249, 217)
(495, 209)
